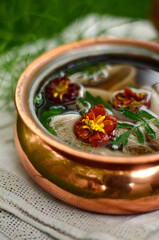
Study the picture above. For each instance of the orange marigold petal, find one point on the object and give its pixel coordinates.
(91, 115)
(113, 119)
(84, 134)
(108, 126)
(128, 92)
(99, 139)
(94, 137)
(127, 101)
(99, 110)
(117, 102)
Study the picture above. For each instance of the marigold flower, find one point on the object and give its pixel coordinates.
(130, 100)
(62, 90)
(95, 127)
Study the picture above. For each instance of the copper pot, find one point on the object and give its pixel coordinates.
(105, 184)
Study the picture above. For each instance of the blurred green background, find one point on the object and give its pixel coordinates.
(23, 21)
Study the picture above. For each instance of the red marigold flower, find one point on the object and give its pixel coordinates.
(62, 90)
(95, 127)
(130, 100)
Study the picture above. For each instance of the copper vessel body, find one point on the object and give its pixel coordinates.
(105, 184)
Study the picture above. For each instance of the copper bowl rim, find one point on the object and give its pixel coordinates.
(73, 154)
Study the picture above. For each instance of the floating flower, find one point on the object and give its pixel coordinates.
(62, 90)
(130, 100)
(95, 127)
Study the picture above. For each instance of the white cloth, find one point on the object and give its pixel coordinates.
(27, 211)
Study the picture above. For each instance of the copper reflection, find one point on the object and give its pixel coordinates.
(145, 173)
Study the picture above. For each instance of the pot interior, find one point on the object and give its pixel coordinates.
(97, 68)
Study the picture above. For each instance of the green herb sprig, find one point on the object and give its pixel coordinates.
(91, 101)
(144, 118)
(98, 100)
(39, 99)
(45, 118)
(86, 104)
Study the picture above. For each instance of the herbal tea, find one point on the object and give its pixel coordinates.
(107, 105)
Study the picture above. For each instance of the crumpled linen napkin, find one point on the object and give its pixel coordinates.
(26, 210)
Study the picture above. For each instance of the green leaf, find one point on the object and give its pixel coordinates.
(101, 101)
(26, 60)
(51, 130)
(157, 122)
(52, 112)
(145, 114)
(140, 136)
(110, 104)
(121, 140)
(45, 118)
(150, 131)
(84, 102)
(38, 99)
(124, 125)
(84, 111)
(91, 99)
(131, 115)
(132, 86)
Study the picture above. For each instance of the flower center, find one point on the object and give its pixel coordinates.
(94, 125)
(61, 89)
